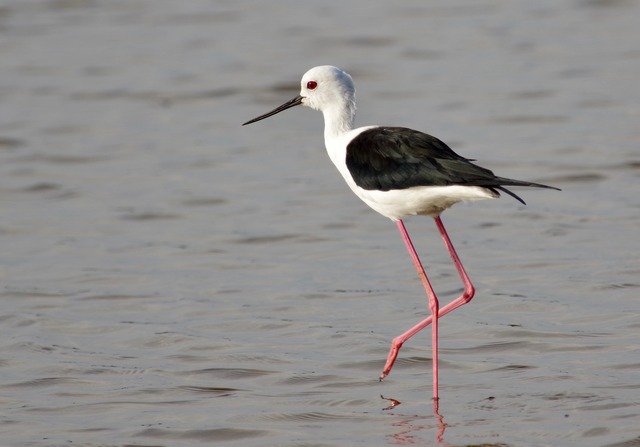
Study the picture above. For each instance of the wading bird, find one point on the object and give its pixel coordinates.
(398, 172)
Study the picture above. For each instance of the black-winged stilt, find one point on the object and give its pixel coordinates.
(398, 172)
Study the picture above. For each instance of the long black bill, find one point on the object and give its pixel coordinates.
(287, 105)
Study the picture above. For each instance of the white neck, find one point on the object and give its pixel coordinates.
(339, 119)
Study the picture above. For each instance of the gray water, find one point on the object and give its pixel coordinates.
(170, 278)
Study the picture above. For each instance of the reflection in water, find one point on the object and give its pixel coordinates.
(404, 437)
(394, 403)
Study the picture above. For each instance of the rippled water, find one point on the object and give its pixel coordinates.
(171, 278)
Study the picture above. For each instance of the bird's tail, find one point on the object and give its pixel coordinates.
(502, 182)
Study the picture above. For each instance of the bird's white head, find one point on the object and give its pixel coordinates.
(327, 86)
(330, 90)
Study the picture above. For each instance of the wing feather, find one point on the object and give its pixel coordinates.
(385, 158)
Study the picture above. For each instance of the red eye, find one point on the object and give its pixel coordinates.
(311, 85)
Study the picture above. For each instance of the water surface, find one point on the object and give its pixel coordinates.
(171, 278)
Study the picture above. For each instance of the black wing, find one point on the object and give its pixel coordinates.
(385, 158)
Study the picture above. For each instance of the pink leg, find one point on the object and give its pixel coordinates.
(434, 306)
(466, 296)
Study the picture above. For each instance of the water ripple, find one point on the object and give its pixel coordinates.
(233, 373)
(217, 391)
(211, 435)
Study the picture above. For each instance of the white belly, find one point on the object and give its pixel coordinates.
(421, 200)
